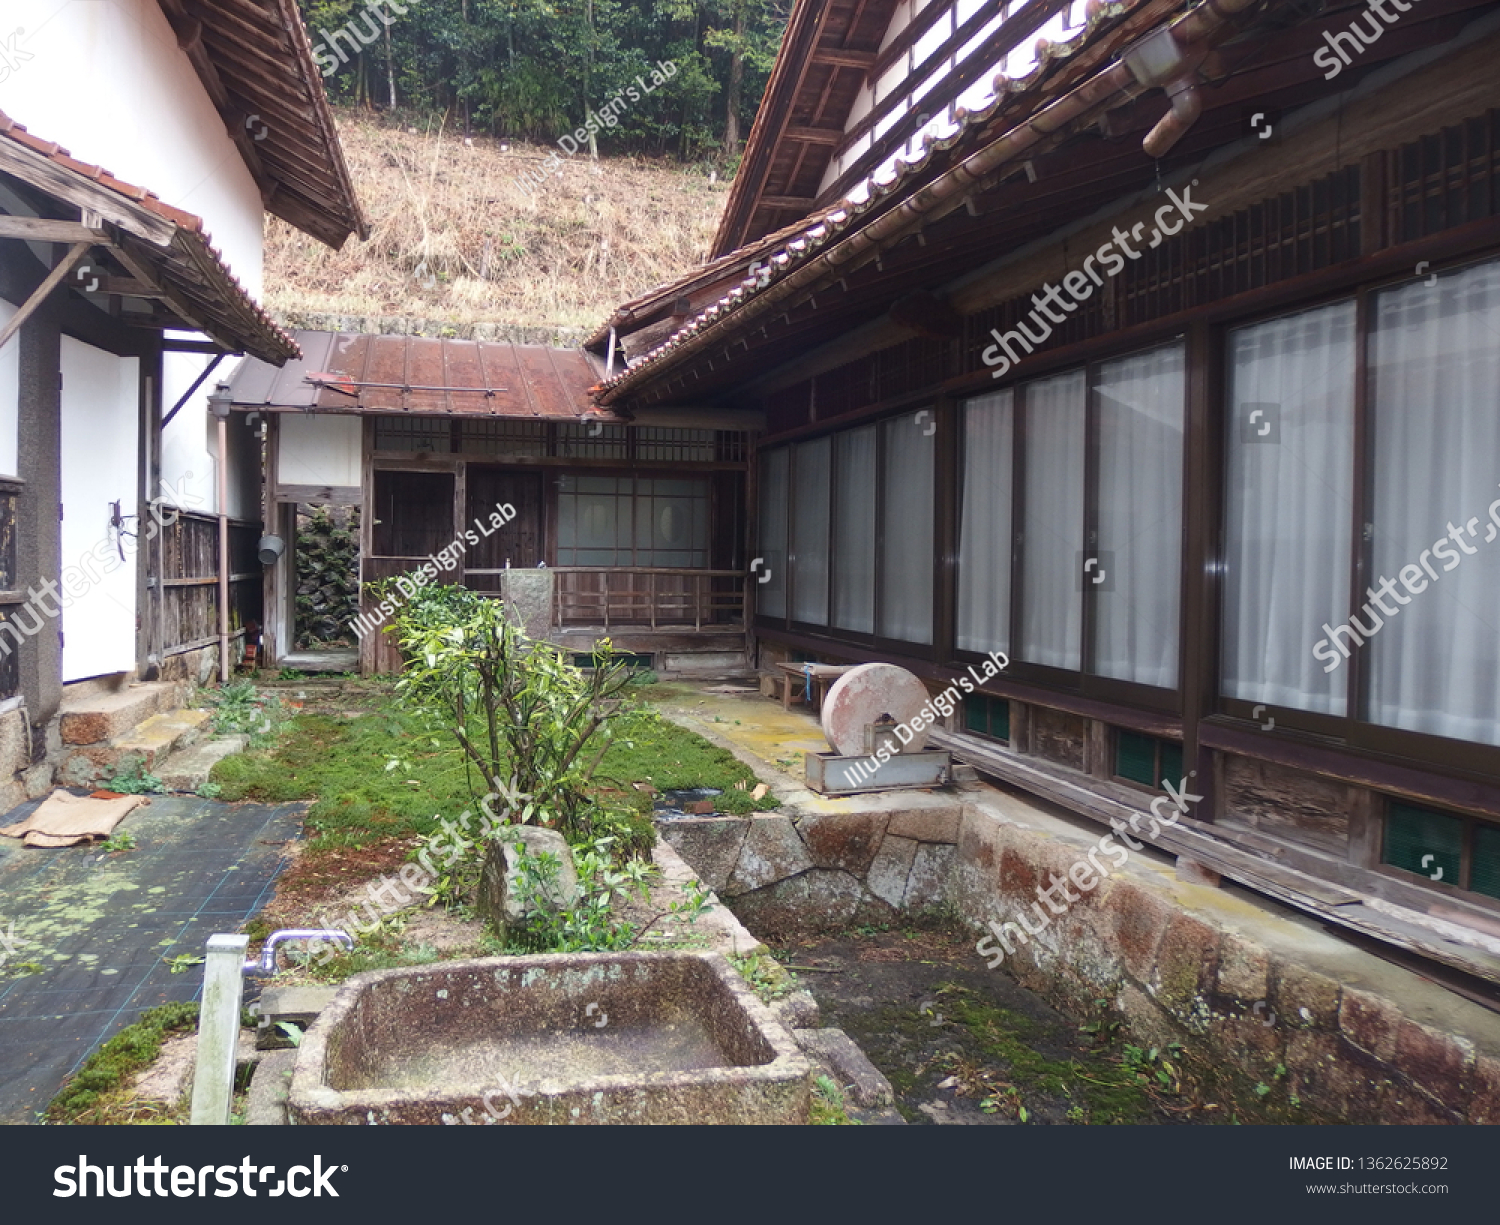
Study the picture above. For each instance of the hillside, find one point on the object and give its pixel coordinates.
(458, 240)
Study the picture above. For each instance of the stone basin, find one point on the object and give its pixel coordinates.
(559, 1038)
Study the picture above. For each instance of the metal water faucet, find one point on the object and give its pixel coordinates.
(267, 962)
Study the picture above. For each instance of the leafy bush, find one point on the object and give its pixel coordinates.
(534, 726)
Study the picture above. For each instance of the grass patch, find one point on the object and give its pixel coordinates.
(650, 749)
(378, 777)
(94, 1094)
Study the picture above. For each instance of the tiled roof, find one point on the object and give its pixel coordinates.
(188, 263)
(878, 189)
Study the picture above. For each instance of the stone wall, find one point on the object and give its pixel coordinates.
(825, 864)
(1237, 979)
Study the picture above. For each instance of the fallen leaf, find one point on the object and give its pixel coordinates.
(699, 807)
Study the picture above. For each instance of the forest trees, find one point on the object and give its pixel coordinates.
(535, 69)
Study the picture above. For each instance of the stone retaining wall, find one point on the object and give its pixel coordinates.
(1238, 980)
(816, 870)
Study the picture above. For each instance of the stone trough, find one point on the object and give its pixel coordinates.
(673, 1037)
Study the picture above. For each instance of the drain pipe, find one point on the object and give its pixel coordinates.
(219, 403)
(1187, 105)
(1156, 61)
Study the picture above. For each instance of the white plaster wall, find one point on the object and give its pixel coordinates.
(107, 81)
(10, 394)
(320, 449)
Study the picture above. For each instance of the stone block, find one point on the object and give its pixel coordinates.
(771, 852)
(1331, 1076)
(710, 845)
(1244, 968)
(103, 716)
(1369, 1022)
(1139, 920)
(931, 866)
(1484, 1105)
(265, 1103)
(1305, 997)
(797, 1011)
(891, 869)
(1437, 1062)
(846, 841)
(859, 1079)
(502, 900)
(1186, 959)
(928, 824)
(1406, 1105)
(818, 900)
(297, 1006)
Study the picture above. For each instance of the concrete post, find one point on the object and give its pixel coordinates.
(218, 1029)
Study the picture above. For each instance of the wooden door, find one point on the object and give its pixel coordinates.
(521, 543)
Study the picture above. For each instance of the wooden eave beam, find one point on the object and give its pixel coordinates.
(837, 57)
(39, 295)
(814, 136)
(44, 229)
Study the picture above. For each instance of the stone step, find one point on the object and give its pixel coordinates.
(187, 769)
(859, 1079)
(95, 718)
(154, 739)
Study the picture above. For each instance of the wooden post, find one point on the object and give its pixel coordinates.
(218, 1029)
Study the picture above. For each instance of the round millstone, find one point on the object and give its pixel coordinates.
(868, 694)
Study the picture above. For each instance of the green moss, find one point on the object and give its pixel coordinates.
(1109, 1093)
(106, 1070)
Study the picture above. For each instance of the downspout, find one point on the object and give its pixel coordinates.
(1126, 73)
(219, 402)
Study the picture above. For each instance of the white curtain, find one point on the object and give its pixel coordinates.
(984, 533)
(810, 524)
(907, 556)
(770, 595)
(1435, 366)
(1140, 421)
(854, 530)
(1289, 506)
(1052, 545)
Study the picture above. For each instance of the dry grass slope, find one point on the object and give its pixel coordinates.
(457, 240)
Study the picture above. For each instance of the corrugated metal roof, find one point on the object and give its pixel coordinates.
(353, 372)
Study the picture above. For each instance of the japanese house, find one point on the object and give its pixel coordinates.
(1132, 341)
(629, 527)
(119, 294)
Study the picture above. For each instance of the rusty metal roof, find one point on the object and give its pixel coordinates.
(352, 372)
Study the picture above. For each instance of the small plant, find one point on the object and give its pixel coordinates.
(291, 1031)
(767, 978)
(131, 778)
(828, 1109)
(210, 791)
(183, 962)
(123, 841)
(239, 709)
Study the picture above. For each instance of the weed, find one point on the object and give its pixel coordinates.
(828, 1109)
(130, 778)
(766, 977)
(183, 962)
(123, 841)
(210, 791)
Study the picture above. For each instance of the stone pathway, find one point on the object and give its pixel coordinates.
(92, 931)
